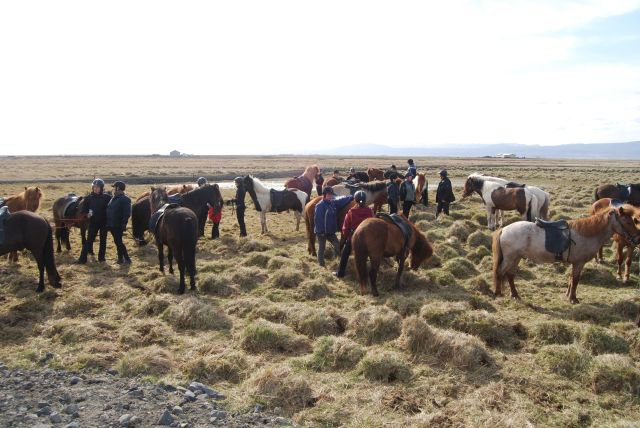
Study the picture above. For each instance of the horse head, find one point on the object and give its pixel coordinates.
(32, 196)
(469, 187)
(421, 249)
(158, 197)
(249, 187)
(628, 222)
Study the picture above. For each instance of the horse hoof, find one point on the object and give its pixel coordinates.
(574, 301)
(40, 289)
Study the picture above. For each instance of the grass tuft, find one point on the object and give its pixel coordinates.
(264, 336)
(460, 267)
(599, 340)
(230, 366)
(569, 361)
(555, 332)
(286, 278)
(335, 353)
(194, 314)
(279, 387)
(385, 366)
(153, 361)
(615, 373)
(479, 239)
(376, 324)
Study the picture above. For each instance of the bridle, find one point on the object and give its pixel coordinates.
(634, 239)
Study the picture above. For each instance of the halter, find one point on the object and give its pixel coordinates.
(635, 240)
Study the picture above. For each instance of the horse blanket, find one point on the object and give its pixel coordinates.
(557, 236)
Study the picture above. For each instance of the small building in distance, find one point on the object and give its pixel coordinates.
(174, 153)
(506, 156)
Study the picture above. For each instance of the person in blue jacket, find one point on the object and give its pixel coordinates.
(326, 221)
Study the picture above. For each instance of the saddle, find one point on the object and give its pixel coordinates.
(4, 214)
(156, 216)
(402, 224)
(557, 236)
(513, 185)
(278, 198)
(71, 199)
(624, 189)
(2, 202)
(175, 199)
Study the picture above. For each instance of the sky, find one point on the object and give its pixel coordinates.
(258, 77)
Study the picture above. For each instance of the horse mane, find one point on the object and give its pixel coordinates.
(592, 225)
(259, 185)
(310, 167)
(373, 186)
(421, 249)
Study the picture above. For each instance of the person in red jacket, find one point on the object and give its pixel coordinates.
(352, 220)
(215, 215)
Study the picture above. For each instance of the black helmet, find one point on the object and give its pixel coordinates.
(98, 182)
(201, 181)
(393, 166)
(119, 185)
(393, 176)
(410, 161)
(360, 197)
(443, 173)
(238, 180)
(328, 191)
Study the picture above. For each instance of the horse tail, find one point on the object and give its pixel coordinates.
(529, 209)
(544, 210)
(48, 258)
(496, 249)
(360, 254)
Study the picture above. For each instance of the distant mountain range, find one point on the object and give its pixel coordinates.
(629, 150)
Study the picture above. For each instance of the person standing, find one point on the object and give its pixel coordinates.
(202, 181)
(319, 182)
(444, 194)
(411, 170)
(118, 213)
(407, 194)
(326, 221)
(215, 215)
(241, 192)
(393, 194)
(352, 220)
(95, 208)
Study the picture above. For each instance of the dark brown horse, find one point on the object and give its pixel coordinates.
(376, 239)
(309, 221)
(305, 181)
(28, 200)
(628, 193)
(177, 228)
(26, 230)
(140, 215)
(67, 213)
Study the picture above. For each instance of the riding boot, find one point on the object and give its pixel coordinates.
(344, 258)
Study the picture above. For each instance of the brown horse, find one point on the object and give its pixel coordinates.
(376, 239)
(586, 235)
(67, 213)
(621, 242)
(422, 180)
(332, 181)
(176, 228)
(172, 190)
(375, 174)
(628, 193)
(28, 200)
(26, 230)
(309, 221)
(305, 181)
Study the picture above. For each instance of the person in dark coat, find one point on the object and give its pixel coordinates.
(393, 194)
(407, 195)
(241, 192)
(411, 170)
(326, 221)
(319, 182)
(95, 208)
(118, 213)
(352, 220)
(444, 194)
(390, 171)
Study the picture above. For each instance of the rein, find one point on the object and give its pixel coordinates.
(633, 239)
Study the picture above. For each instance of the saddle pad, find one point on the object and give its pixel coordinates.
(556, 239)
(175, 199)
(278, 200)
(156, 216)
(72, 199)
(4, 214)
(513, 185)
(402, 225)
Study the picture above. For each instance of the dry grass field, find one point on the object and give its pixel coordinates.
(268, 325)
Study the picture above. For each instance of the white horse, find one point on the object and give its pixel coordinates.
(539, 206)
(287, 199)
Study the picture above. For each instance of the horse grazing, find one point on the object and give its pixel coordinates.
(376, 192)
(173, 190)
(628, 193)
(305, 181)
(67, 213)
(575, 242)
(270, 200)
(377, 238)
(621, 242)
(497, 197)
(375, 174)
(309, 221)
(26, 230)
(177, 228)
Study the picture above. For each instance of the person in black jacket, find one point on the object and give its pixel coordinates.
(444, 194)
(241, 192)
(95, 208)
(393, 194)
(118, 213)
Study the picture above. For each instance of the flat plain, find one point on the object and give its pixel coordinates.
(268, 325)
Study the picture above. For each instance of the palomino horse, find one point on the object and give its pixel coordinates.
(309, 221)
(497, 197)
(270, 200)
(621, 242)
(172, 190)
(305, 181)
(28, 200)
(539, 198)
(26, 230)
(177, 228)
(376, 192)
(67, 213)
(376, 239)
(629, 193)
(375, 174)
(585, 237)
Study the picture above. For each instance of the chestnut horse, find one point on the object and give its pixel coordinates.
(67, 213)
(172, 190)
(621, 242)
(26, 230)
(422, 181)
(305, 181)
(629, 193)
(376, 192)
(309, 221)
(526, 240)
(375, 174)
(376, 239)
(28, 200)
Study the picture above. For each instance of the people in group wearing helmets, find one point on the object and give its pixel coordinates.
(241, 192)
(95, 208)
(326, 221)
(118, 213)
(352, 220)
(444, 194)
(411, 170)
(202, 182)
(407, 194)
(393, 194)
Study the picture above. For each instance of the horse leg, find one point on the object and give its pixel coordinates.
(400, 261)
(170, 258)
(576, 270)
(180, 260)
(298, 217)
(510, 277)
(600, 255)
(160, 255)
(58, 237)
(263, 222)
(373, 275)
(619, 257)
(67, 235)
(627, 270)
(490, 217)
(40, 261)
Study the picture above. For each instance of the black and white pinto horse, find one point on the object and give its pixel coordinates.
(267, 199)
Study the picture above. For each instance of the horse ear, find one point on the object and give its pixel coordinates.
(622, 211)
(25, 187)
(153, 188)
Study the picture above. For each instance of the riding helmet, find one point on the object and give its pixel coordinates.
(443, 173)
(238, 180)
(119, 185)
(201, 181)
(410, 161)
(98, 182)
(360, 197)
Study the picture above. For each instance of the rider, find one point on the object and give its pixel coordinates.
(444, 194)
(352, 220)
(118, 213)
(95, 208)
(326, 221)
(202, 181)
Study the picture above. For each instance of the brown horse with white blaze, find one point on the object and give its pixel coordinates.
(376, 239)
(586, 235)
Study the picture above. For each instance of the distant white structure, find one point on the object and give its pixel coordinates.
(506, 156)
(174, 153)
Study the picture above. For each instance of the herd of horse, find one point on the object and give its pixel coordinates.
(176, 217)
